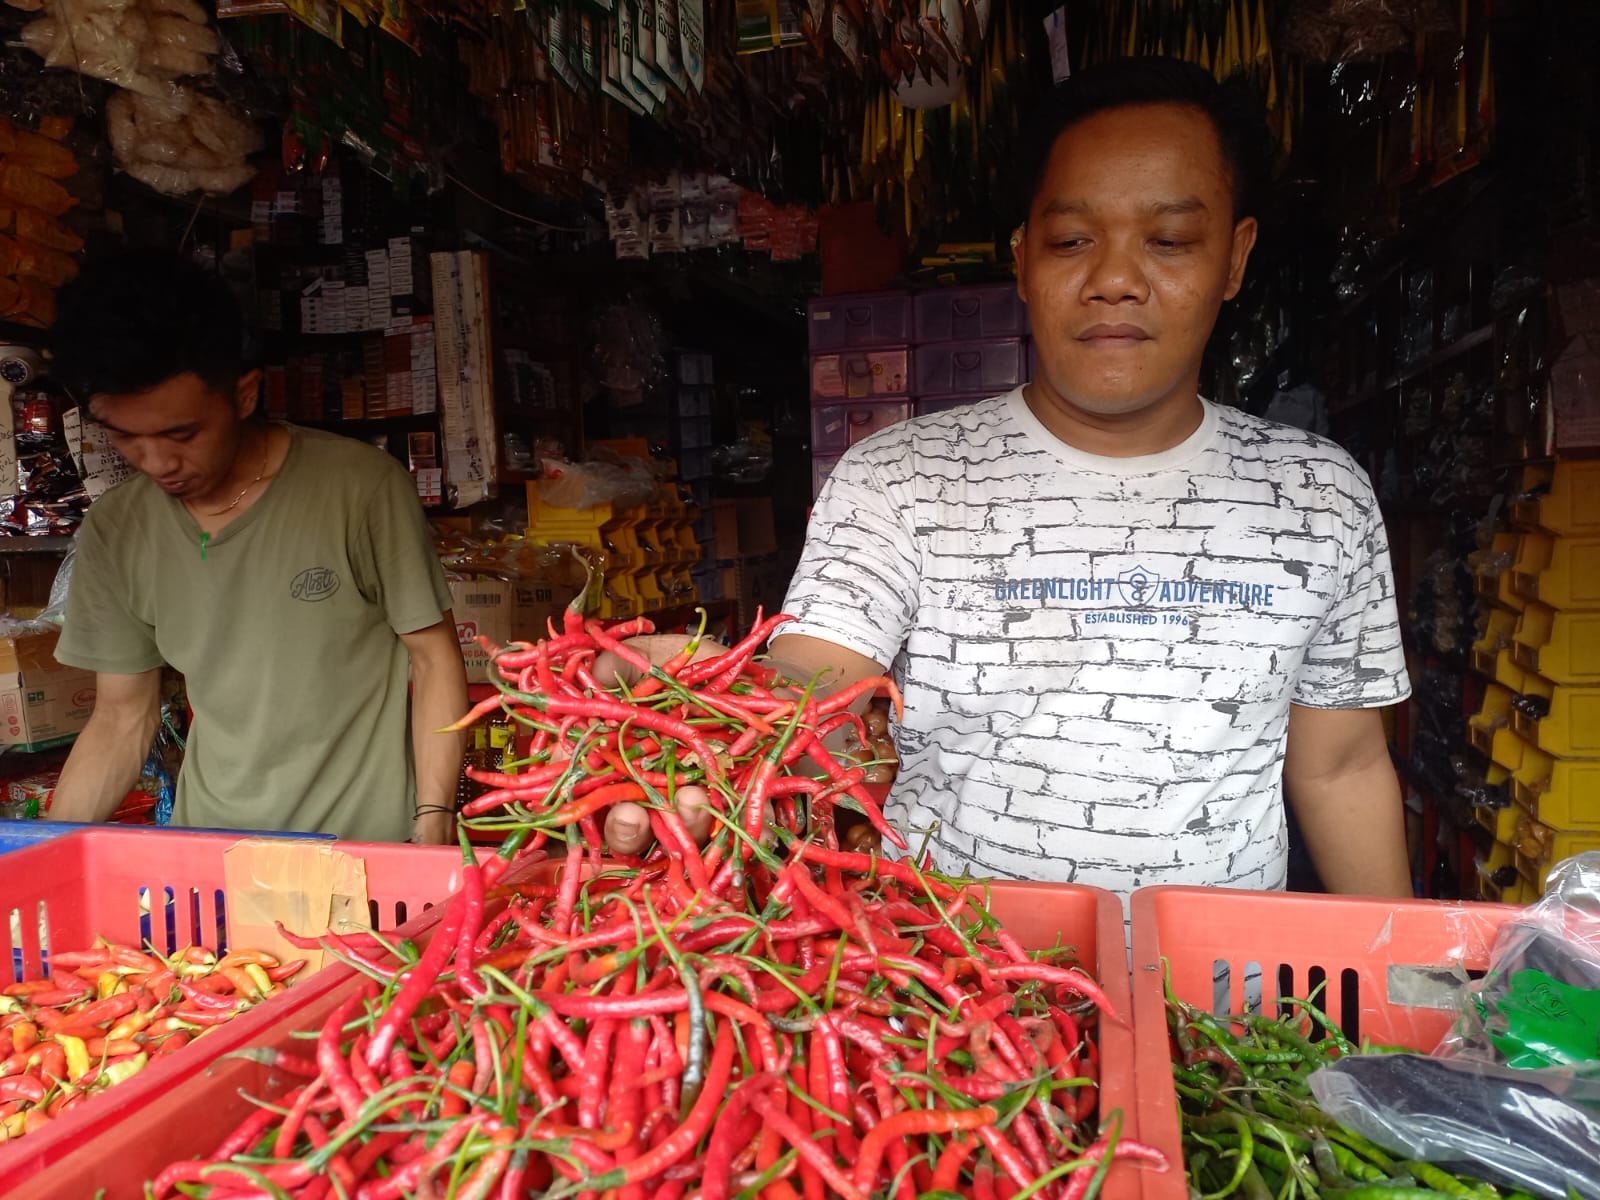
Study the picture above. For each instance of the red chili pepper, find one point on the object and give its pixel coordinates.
(22, 1087)
(330, 1057)
(419, 981)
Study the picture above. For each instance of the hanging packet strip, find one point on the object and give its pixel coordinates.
(668, 58)
(692, 41)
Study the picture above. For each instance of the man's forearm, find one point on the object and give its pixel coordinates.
(103, 767)
(438, 699)
(1354, 827)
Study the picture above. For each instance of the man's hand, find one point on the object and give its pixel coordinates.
(434, 829)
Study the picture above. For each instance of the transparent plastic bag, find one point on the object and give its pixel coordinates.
(1513, 1092)
(585, 485)
(55, 612)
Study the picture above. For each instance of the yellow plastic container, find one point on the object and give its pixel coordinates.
(1507, 596)
(1539, 847)
(1501, 822)
(1563, 572)
(1537, 479)
(1571, 501)
(1563, 793)
(1572, 728)
(1491, 728)
(1500, 624)
(1507, 673)
(1488, 566)
(1562, 646)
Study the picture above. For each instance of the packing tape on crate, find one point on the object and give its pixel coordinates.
(311, 888)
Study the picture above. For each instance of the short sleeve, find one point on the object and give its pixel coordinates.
(858, 578)
(101, 633)
(1356, 659)
(406, 581)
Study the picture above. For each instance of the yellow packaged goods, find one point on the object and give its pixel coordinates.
(22, 186)
(38, 153)
(28, 302)
(22, 259)
(42, 230)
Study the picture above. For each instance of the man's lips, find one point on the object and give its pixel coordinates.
(1114, 335)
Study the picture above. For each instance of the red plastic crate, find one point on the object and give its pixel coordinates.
(172, 1126)
(89, 884)
(1390, 967)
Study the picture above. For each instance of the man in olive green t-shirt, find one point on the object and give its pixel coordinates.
(288, 574)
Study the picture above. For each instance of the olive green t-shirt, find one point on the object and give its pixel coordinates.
(287, 631)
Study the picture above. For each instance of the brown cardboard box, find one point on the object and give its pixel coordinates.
(503, 612)
(42, 703)
(743, 529)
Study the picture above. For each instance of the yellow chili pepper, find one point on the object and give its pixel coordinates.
(8, 1004)
(11, 1127)
(128, 1026)
(77, 1055)
(258, 976)
(122, 1071)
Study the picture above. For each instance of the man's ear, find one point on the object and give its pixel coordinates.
(1244, 241)
(247, 397)
(1019, 238)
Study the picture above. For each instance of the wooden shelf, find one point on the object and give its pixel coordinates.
(35, 545)
(1464, 344)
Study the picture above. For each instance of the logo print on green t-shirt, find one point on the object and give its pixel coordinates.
(314, 583)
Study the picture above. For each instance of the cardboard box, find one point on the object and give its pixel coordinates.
(42, 703)
(502, 612)
(743, 529)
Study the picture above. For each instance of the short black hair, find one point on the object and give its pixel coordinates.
(133, 320)
(1131, 82)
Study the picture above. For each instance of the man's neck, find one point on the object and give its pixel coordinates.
(1152, 430)
(218, 506)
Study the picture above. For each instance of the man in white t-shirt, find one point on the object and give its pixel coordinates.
(1126, 621)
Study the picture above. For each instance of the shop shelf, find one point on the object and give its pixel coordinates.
(106, 882)
(1561, 497)
(171, 1126)
(821, 467)
(1560, 792)
(860, 320)
(1540, 847)
(1564, 647)
(1388, 965)
(1563, 572)
(861, 375)
(970, 314)
(1572, 727)
(928, 405)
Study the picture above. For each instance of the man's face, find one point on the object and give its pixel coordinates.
(1129, 252)
(181, 433)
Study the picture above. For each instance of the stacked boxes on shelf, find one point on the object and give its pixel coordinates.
(739, 556)
(649, 549)
(878, 358)
(1540, 644)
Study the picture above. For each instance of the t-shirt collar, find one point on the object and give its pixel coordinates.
(1143, 464)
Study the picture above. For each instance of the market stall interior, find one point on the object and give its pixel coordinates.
(628, 290)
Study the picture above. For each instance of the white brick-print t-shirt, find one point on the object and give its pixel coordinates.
(1098, 655)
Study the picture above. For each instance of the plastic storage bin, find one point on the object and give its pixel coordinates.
(861, 375)
(1563, 498)
(969, 314)
(19, 835)
(969, 368)
(837, 427)
(1563, 572)
(1560, 792)
(1498, 630)
(1490, 728)
(172, 1126)
(859, 320)
(1540, 847)
(1488, 570)
(1368, 951)
(1571, 727)
(106, 882)
(1564, 647)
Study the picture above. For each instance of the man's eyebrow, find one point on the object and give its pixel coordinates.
(1160, 208)
(1178, 208)
(170, 432)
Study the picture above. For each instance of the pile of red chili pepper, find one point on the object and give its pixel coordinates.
(768, 1015)
(103, 1013)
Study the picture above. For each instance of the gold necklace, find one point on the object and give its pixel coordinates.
(266, 453)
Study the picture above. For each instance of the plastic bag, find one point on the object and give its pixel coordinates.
(1513, 1092)
(55, 612)
(585, 485)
